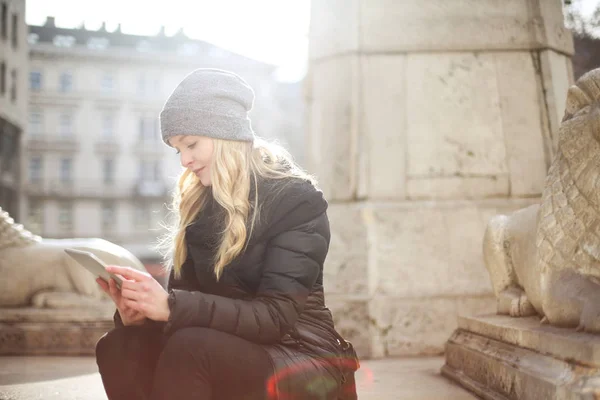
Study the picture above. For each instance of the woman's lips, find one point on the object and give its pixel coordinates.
(197, 171)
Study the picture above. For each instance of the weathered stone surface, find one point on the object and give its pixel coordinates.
(466, 138)
(403, 327)
(557, 76)
(383, 127)
(333, 128)
(41, 315)
(544, 259)
(346, 266)
(458, 187)
(397, 275)
(58, 338)
(418, 251)
(333, 27)
(469, 25)
(499, 357)
(521, 98)
(529, 333)
(418, 138)
(35, 331)
(352, 321)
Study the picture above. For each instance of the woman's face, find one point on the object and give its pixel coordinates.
(195, 153)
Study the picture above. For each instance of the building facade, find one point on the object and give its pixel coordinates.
(13, 101)
(95, 163)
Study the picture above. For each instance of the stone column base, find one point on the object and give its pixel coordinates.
(499, 357)
(31, 331)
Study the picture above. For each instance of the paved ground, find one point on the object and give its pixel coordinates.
(76, 378)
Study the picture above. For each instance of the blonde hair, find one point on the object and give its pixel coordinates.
(236, 165)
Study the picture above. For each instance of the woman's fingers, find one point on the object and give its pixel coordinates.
(103, 285)
(132, 294)
(129, 273)
(114, 290)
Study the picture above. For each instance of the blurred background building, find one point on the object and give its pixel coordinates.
(95, 164)
(13, 100)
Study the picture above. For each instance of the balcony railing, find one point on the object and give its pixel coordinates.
(151, 189)
(56, 188)
(107, 146)
(65, 143)
(150, 147)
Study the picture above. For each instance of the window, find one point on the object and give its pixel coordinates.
(2, 78)
(142, 216)
(188, 49)
(109, 214)
(4, 21)
(143, 46)
(65, 216)
(108, 168)
(66, 82)
(98, 43)
(35, 80)
(13, 86)
(66, 167)
(35, 217)
(15, 31)
(149, 171)
(148, 129)
(36, 123)
(35, 169)
(107, 126)
(107, 83)
(33, 38)
(66, 124)
(142, 85)
(8, 150)
(63, 41)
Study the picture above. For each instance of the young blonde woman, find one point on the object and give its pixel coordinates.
(243, 315)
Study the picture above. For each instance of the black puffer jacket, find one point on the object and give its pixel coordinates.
(272, 294)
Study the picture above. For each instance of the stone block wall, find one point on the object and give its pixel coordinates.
(424, 120)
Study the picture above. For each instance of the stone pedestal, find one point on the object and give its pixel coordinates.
(499, 357)
(425, 119)
(31, 331)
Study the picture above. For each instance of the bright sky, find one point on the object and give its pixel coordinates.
(273, 31)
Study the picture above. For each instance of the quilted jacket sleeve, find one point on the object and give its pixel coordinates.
(292, 264)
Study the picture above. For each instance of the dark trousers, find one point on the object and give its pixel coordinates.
(193, 363)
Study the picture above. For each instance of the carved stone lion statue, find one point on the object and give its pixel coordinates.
(545, 259)
(37, 272)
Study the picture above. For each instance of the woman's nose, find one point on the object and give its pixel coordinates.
(186, 160)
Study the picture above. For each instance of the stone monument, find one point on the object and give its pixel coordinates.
(544, 263)
(48, 303)
(426, 118)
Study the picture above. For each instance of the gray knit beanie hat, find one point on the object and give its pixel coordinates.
(209, 102)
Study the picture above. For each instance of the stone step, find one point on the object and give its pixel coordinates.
(501, 358)
(31, 331)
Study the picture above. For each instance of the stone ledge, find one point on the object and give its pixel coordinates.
(488, 356)
(32, 314)
(42, 331)
(528, 333)
(51, 338)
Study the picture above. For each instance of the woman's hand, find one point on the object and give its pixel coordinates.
(128, 315)
(142, 293)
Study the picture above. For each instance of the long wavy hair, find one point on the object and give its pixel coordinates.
(235, 167)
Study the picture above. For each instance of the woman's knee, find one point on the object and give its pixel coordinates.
(109, 347)
(121, 344)
(184, 340)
